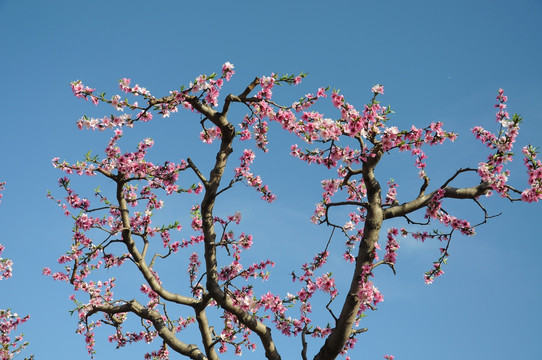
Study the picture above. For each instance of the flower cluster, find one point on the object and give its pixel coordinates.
(210, 135)
(5, 266)
(391, 246)
(370, 125)
(204, 86)
(243, 242)
(9, 347)
(433, 211)
(2, 185)
(83, 92)
(534, 170)
(243, 173)
(436, 271)
(312, 283)
(368, 293)
(492, 171)
(392, 193)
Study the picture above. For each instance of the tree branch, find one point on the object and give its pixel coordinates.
(139, 259)
(197, 172)
(241, 97)
(207, 205)
(205, 331)
(189, 350)
(371, 231)
(422, 200)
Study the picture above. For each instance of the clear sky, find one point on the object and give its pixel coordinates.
(438, 60)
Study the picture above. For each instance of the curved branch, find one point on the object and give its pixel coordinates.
(139, 259)
(241, 97)
(455, 175)
(189, 350)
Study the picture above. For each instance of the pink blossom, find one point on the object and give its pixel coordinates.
(124, 84)
(227, 71)
(321, 92)
(378, 89)
(392, 246)
(209, 135)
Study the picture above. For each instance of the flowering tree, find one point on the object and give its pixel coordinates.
(221, 302)
(9, 321)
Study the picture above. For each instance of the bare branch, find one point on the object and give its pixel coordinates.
(424, 186)
(455, 175)
(329, 309)
(412, 222)
(390, 264)
(342, 203)
(206, 331)
(196, 171)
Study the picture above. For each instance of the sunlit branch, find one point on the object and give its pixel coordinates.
(241, 97)
(205, 331)
(424, 186)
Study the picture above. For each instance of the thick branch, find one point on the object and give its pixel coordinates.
(207, 205)
(373, 222)
(205, 331)
(422, 200)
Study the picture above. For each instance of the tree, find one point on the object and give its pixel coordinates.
(9, 321)
(118, 230)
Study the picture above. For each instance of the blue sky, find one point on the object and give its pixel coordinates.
(437, 60)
